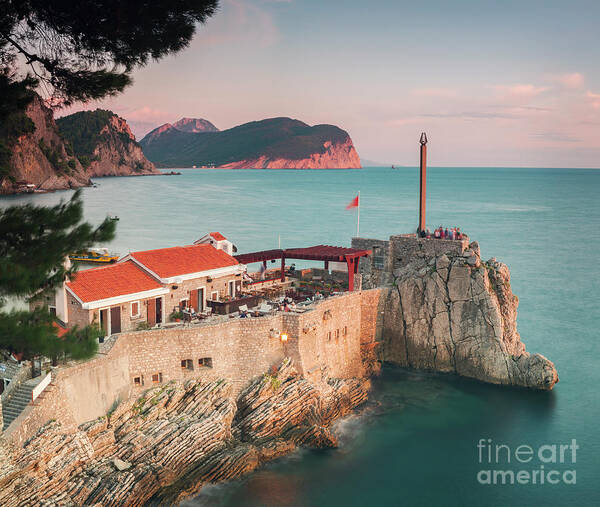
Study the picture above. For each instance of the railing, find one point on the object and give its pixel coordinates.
(37, 390)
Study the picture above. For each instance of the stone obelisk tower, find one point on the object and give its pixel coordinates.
(423, 194)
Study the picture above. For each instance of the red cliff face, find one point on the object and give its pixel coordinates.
(41, 158)
(44, 161)
(336, 156)
(117, 153)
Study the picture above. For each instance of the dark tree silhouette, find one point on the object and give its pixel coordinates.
(34, 242)
(69, 51)
(81, 50)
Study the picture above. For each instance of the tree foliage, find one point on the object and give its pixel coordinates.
(34, 242)
(14, 98)
(69, 51)
(82, 129)
(81, 50)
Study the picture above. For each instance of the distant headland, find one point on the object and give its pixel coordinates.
(273, 143)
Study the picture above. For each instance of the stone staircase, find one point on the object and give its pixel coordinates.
(19, 399)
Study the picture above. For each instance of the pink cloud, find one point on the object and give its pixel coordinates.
(594, 99)
(519, 91)
(240, 21)
(434, 92)
(147, 114)
(573, 81)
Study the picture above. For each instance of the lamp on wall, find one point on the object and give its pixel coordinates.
(283, 337)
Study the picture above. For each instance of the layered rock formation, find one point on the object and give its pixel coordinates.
(274, 143)
(41, 158)
(65, 153)
(339, 155)
(455, 313)
(104, 144)
(174, 439)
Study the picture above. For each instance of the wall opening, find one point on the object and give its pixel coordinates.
(157, 378)
(187, 364)
(378, 257)
(205, 362)
(138, 381)
(135, 309)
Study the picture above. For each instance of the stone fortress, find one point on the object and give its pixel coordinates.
(159, 413)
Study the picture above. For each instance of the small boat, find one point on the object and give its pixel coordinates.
(96, 255)
(114, 218)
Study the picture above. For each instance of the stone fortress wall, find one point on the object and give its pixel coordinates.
(325, 342)
(399, 251)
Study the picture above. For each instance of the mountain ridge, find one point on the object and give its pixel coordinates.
(271, 143)
(104, 144)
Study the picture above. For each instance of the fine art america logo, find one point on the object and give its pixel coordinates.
(524, 464)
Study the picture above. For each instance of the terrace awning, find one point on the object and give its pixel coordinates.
(325, 253)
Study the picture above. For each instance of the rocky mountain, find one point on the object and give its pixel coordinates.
(455, 313)
(195, 125)
(274, 143)
(167, 444)
(104, 144)
(40, 157)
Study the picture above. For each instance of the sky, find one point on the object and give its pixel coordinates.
(493, 83)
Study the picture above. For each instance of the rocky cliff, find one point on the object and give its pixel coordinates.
(274, 143)
(455, 313)
(195, 125)
(339, 155)
(42, 158)
(104, 144)
(170, 442)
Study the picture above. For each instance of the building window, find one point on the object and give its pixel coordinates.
(378, 257)
(214, 295)
(337, 334)
(138, 381)
(135, 309)
(157, 378)
(187, 364)
(205, 362)
(328, 335)
(345, 331)
(52, 310)
(231, 288)
(183, 304)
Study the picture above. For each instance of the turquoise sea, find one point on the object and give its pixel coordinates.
(415, 442)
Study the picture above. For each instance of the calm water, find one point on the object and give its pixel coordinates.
(415, 442)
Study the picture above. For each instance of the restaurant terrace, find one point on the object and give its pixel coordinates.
(325, 253)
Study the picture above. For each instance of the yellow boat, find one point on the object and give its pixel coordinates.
(99, 255)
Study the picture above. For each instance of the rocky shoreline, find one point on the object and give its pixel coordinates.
(455, 313)
(167, 444)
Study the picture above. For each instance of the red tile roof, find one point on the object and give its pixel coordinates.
(218, 236)
(111, 281)
(61, 330)
(183, 260)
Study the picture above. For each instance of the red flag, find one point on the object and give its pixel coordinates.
(353, 203)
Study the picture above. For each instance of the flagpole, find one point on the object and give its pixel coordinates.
(358, 217)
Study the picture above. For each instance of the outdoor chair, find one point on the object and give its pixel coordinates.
(265, 309)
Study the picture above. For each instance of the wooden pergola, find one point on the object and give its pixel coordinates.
(325, 253)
